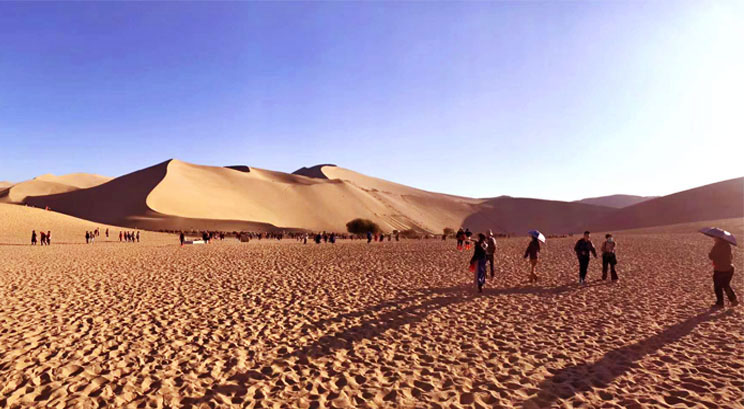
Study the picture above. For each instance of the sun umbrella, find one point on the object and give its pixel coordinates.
(536, 234)
(715, 232)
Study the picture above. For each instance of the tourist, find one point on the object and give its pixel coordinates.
(490, 250)
(33, 237)
(478, 261)
(608, 257)
(582, 248)
(532, 252)
(723, 272)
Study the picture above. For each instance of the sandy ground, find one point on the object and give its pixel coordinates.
(393, 325)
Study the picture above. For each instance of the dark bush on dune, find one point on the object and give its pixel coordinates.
(448, 231)
(362, 226)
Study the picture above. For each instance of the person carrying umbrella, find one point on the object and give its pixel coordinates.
(533, 250)
(608, 257)
(478, 262)
(723, 268)
(582, 248)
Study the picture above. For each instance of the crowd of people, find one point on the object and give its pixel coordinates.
(721, 255)
(45, 238)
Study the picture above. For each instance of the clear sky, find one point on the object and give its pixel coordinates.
(558, 100)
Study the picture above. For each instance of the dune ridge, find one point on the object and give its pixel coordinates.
(176, 195)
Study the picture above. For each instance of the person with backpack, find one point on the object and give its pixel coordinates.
(583, 248)
(608, 257)
(532, 252)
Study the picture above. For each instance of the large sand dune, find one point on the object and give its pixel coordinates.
(715, 201)
(351, 325)
(48, 184)
(180, 195)
(79, 180)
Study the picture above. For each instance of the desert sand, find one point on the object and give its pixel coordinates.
(385, 325)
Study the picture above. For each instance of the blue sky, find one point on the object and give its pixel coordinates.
(557, 100)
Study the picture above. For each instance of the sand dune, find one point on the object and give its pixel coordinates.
(79, 180)
(19, 221)
(19, 192)
(387, 325)
(48, 184)
(715, 201)
(180, 195)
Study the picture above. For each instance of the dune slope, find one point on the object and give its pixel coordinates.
(720, 200)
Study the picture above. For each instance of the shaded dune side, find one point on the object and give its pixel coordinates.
(123, 202)
(518, 215)
(722, 200)
(115, 202)
(315, 172)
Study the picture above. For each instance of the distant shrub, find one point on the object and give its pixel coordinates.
(448, 231)
(410, 234)
(362, 226)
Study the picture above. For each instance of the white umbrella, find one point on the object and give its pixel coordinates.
(715, 232)
(536, 234)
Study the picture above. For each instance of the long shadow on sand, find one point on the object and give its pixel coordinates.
(401, 312)
(575, 379)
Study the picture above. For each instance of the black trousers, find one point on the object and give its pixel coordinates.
(583, 267)
(609, 259)
(721, 283)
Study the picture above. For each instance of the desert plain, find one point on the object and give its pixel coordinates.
(274, 324)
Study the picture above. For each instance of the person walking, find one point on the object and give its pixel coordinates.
(138, 236)
(583, 248)
(490, 250)
(181, 238)
(460, 236)
(468, 235)
(608, 257)
(723, 272)
(369, 237)
(87, 237)
(43, 238)
(532, 252)
(106, 232)
(33, 237)
(478, 261)
(49, 238)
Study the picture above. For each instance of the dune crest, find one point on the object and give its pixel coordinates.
(176, 195)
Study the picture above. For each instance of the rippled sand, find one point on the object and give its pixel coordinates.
(395, 325)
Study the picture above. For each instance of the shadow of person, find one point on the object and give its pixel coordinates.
(409, 309)
(575, 379)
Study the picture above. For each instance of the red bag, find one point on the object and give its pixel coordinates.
(472, 267)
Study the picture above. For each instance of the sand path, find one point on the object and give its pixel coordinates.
(391, 325)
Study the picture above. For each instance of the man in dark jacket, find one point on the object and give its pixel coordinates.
(723, 271)
(582, 248)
